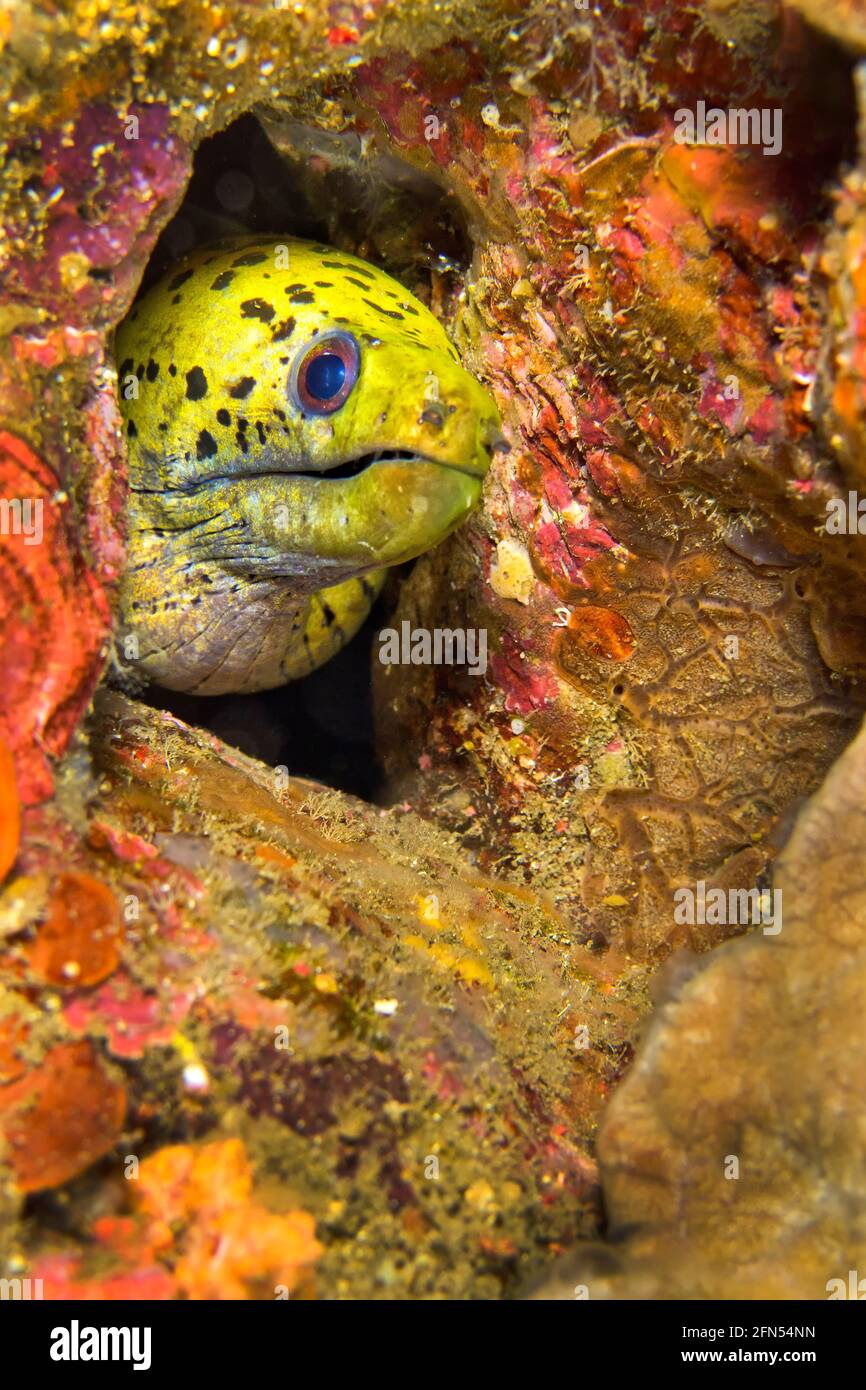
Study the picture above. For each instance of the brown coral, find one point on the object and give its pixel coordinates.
(677, 650)
(732, 1153)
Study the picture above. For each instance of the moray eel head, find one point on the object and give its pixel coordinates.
(296, 422)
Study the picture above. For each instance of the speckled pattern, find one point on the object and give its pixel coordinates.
(260, 530)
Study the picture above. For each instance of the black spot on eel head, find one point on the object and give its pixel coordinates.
(257, 309)
(180, 279)
(196, 384)
(242, 388)
(205, 446)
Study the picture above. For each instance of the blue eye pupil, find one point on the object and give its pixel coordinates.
(325, 376)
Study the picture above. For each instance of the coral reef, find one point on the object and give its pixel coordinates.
(387, 1030)
(754, 1057)
(195, 1233)
(390, 1034)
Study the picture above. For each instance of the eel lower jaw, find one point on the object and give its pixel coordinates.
(344, 471)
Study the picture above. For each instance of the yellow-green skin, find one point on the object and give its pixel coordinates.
(244, 571)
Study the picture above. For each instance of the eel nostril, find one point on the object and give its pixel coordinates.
(432, 414)
(497, 443)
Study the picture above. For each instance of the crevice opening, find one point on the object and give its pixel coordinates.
(387, 212)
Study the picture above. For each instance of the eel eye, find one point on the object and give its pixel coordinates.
(323, 374)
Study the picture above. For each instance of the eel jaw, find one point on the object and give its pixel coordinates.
(390, 511)
(310, 529)
(359, 463)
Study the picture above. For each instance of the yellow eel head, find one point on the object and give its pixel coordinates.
(296, 420)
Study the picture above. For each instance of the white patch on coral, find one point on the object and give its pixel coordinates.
(511, 573)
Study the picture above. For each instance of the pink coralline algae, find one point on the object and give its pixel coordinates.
(262, 986)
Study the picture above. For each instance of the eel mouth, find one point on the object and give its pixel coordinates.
(345, 470)
(353, 468)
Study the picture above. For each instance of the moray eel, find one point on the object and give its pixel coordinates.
(296, 422)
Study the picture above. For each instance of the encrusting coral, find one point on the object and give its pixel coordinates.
(403, 1025)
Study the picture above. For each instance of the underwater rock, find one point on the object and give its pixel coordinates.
(678, 662)
(391, 1034)
(731, 1156)
(407, 1023)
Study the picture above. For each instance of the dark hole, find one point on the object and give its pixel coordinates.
(320, 727)
(239, 184)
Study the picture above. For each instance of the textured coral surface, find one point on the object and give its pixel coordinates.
(390, 1034)
(755, 1052)
(386, 1029)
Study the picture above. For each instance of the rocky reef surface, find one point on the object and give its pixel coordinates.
(370, 1050)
